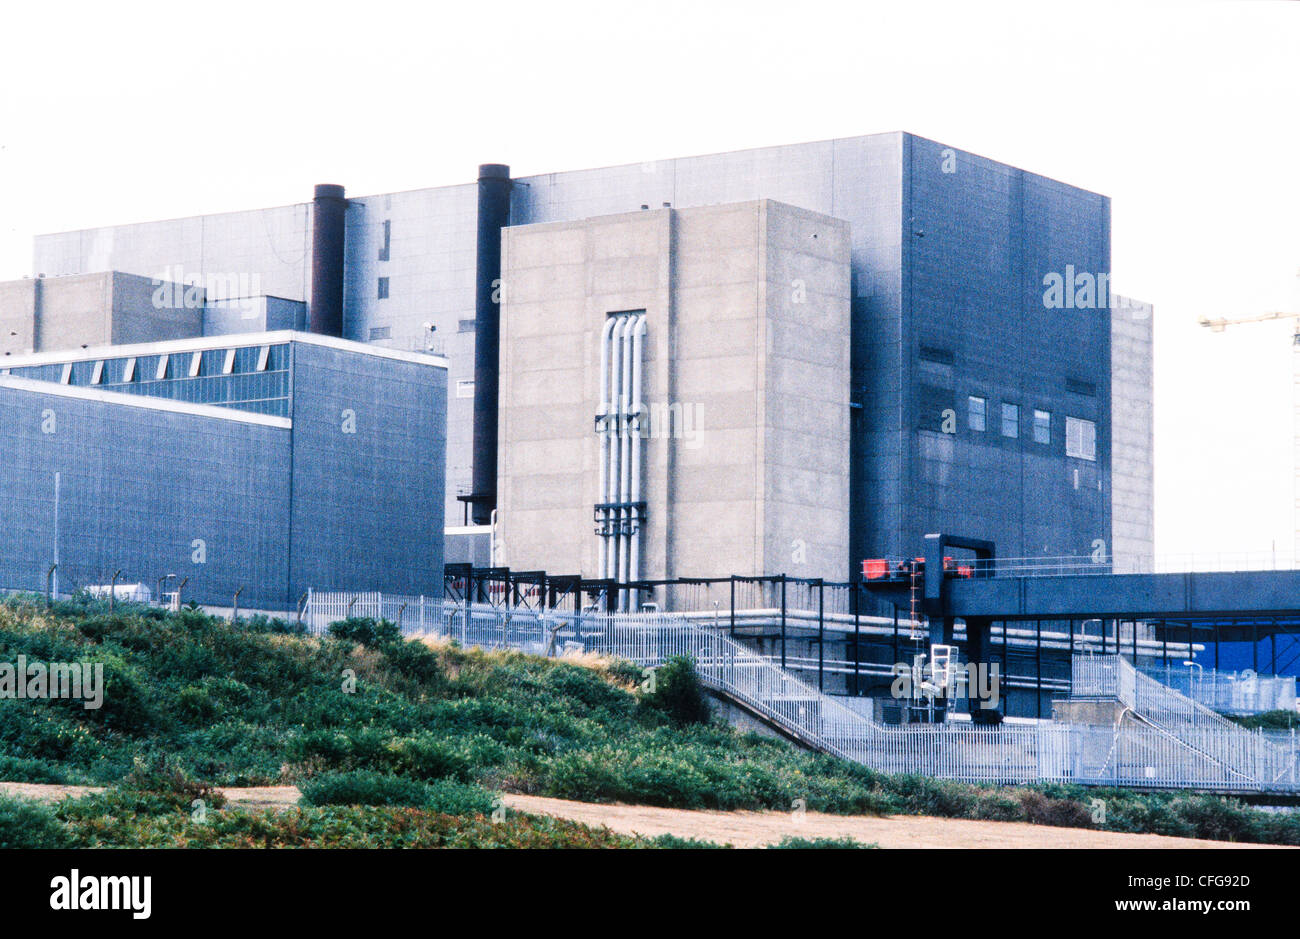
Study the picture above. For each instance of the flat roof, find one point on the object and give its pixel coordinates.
(142, 401)
(202, 343)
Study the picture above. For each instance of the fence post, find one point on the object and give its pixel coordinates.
(821, 632)
(856, 587)
(783, 580)
(733, 605)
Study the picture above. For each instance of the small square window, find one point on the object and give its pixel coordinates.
(976, 413)
(1042, 426)
(383, 288)
(465, 388)
(1080, 438)
(1010, 420)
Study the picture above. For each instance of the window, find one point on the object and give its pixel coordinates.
(97, 375)
(388, 238)
(1080, 438)
(1042, 426)
(263, 355)
(1010, 420)
(465, 389)
(380, 332)
(66, 378)
(162, 367)
(128, 372)
(228, 366)
(383, 288)
(196, 362)
(976, 412)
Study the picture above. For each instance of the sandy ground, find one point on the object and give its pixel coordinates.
(746, 829)
(755, 829)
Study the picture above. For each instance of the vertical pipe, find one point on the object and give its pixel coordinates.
(602, 416)
(624, 458)
(493, 215)
(329, 208)
(634, 431)
(611, 491)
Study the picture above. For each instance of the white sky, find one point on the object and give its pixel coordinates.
(1186, 114)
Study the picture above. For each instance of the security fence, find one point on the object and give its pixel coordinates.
(1172, 745)
(1228, 692)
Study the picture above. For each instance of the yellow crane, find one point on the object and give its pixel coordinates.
(1219, 325)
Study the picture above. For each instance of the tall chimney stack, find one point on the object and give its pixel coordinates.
(328, 211)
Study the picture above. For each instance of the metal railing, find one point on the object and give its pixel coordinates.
(1239, 753)
(1228, 692)
(1125, 754)
(1180, 745)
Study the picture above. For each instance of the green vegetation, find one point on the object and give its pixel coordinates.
(1269, 720)
(394, 741)
(835, 844)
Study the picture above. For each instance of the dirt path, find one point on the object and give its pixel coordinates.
(755, 829)
(744, 829)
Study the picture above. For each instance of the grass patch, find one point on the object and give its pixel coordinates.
(366, 720)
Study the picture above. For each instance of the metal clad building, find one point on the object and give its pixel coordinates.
(276, 463)
(977, 405)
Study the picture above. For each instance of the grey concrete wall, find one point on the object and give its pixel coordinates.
(763, 462)
(18, 301)
(1133, 430)
(143, 313)
(240, 315)
(55, 313)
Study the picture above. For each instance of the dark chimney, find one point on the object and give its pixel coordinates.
(493, 215)
(328, 209)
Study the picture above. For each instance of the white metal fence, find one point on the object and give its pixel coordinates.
(1179, 747)
(1236, 752)
(1228, 692)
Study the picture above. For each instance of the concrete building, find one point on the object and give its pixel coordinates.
(722, 419)
(48, 314)
(1133, 429)
(980, 382)
(275, 463)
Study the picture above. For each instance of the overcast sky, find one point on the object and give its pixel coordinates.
(1186, 114)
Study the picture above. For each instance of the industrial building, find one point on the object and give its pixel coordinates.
(263, 465)
(982, 393)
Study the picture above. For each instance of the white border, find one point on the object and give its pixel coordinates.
(203, 343)
(142, 401)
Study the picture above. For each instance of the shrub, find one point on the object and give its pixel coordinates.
(363, 787)
(673, 842)
(370, 633)
(679, 694)
(837, 844)
(26, 824)
(1041, 809)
